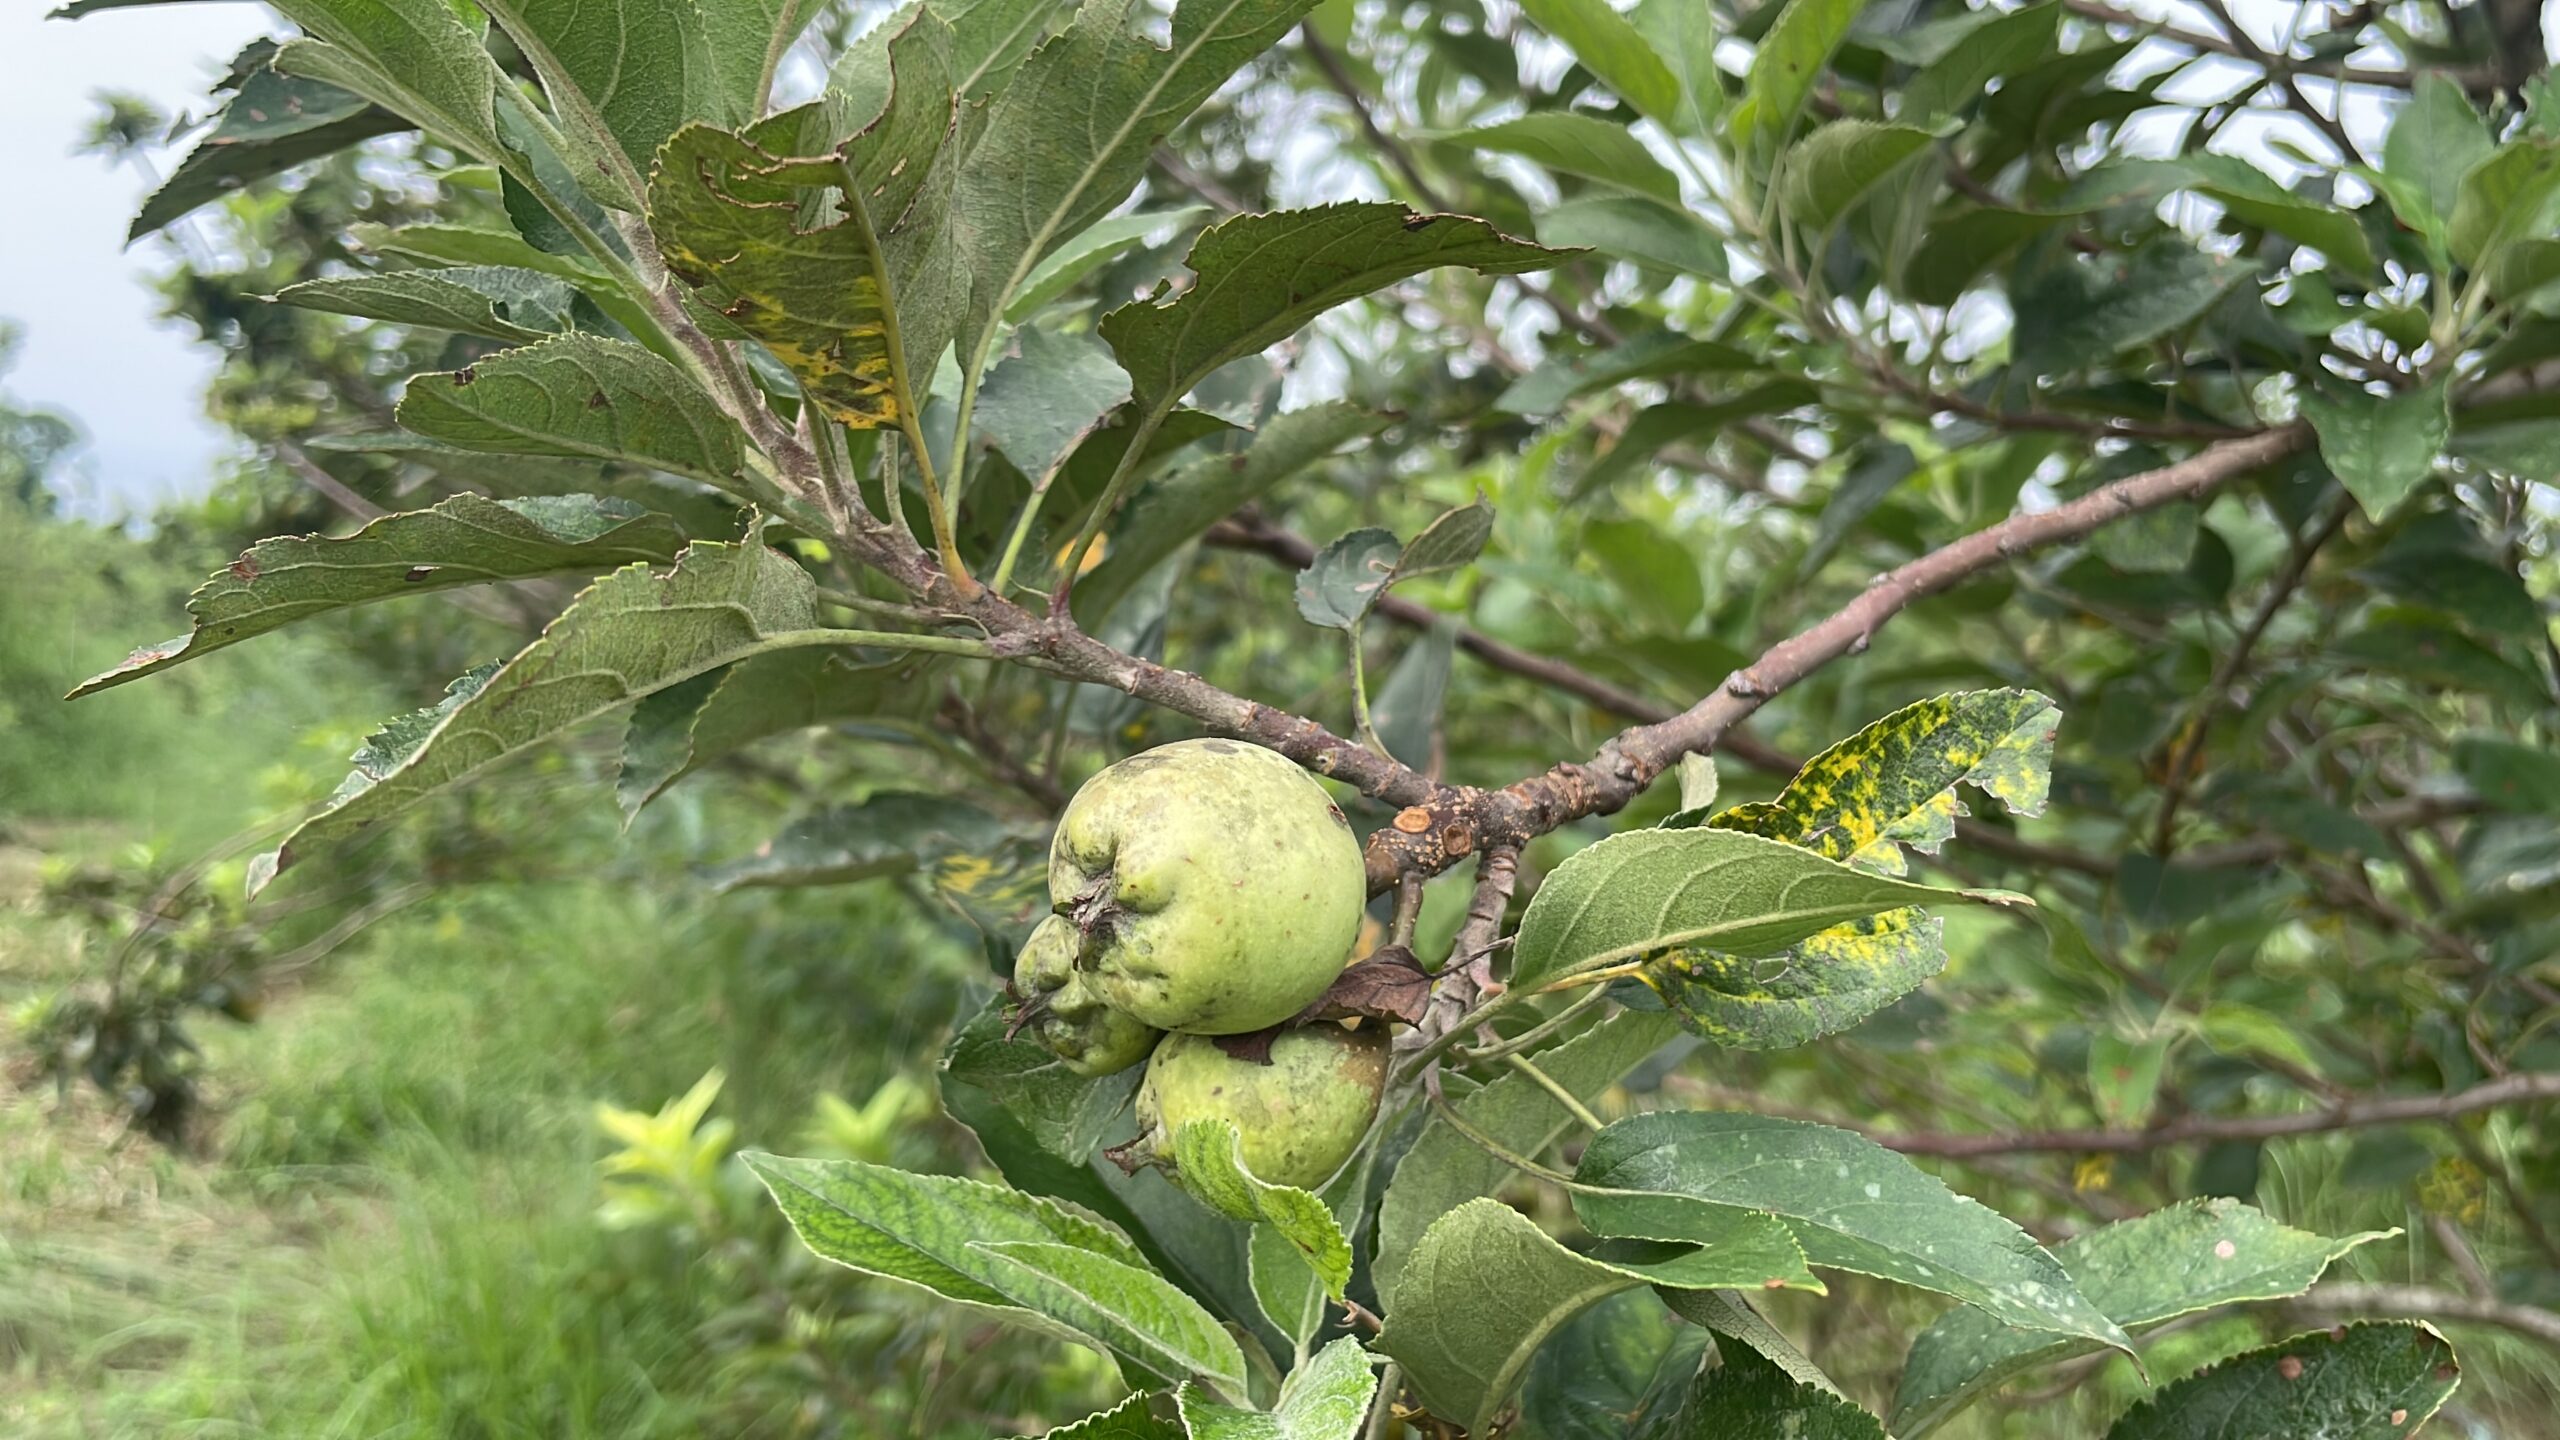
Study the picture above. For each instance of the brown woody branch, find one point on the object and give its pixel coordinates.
(2520, 1088)
(1248, 531)
(2189, 746)
(1458, 819)
(998, 757)
(1439, 825)
(2339, 71)
(2530, 1321)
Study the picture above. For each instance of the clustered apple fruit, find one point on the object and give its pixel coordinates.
(1061, 1008)
(1300, 1116)
(1208, 888)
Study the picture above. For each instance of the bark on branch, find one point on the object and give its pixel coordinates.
(1438, 825)
(2529, 1321)
(1454, 822)
(2515, 1089)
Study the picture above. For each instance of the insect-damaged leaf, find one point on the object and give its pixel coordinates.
(838, 262)
(2357, 1382)
(494, 300)
(1339, 586)
(467, 540)
(635, 631)
(274, 123)
(584, 397)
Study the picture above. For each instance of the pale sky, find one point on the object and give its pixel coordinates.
(92, 345)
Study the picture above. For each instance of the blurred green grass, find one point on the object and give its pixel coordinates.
(392, 1221)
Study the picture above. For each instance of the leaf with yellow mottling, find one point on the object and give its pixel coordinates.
(839, 261)
(1821, 987)
(1002, 889)
(1894, 782)
(1859, 802)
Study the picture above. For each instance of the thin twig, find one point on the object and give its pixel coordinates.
(999, 758)
(1449, 1116)
(1630, 761)
(2466, 1261)
(2189, 747)
(1536, 1035)
(1571, 1102)
(2336, 70)
(2280, 68)
(2521, 1088)
(1248, 531)
(331, 488)
(2529, 1321)
(1408, 911)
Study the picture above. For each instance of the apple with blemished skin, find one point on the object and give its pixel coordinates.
(1058, 1005)
(1216, 887)
(1299, 1117)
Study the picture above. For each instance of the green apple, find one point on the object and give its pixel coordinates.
(1300, 1116)
(1060, 1008)
(1216, 887)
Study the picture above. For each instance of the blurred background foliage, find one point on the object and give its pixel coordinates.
(433, 1142)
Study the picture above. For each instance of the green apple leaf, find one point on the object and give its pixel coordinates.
(580, 396)
(1444, 1169)
(1327, 1398)
(1853, 1204)
(1833, 168)
(2381, 447)
(1653, 890)
(1747, 1397)
(273, 124)
(636, 631)
(1209, 1154)
(1584, 146)
(2142, 1272)
(467, 540)
(1610, 47)
(1485, 1287)
(2357, 1382)
(1069, 137)
(1125, 1304)
(493, 300)
(1261, 278)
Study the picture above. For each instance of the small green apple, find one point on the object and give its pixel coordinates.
(1216, 886)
